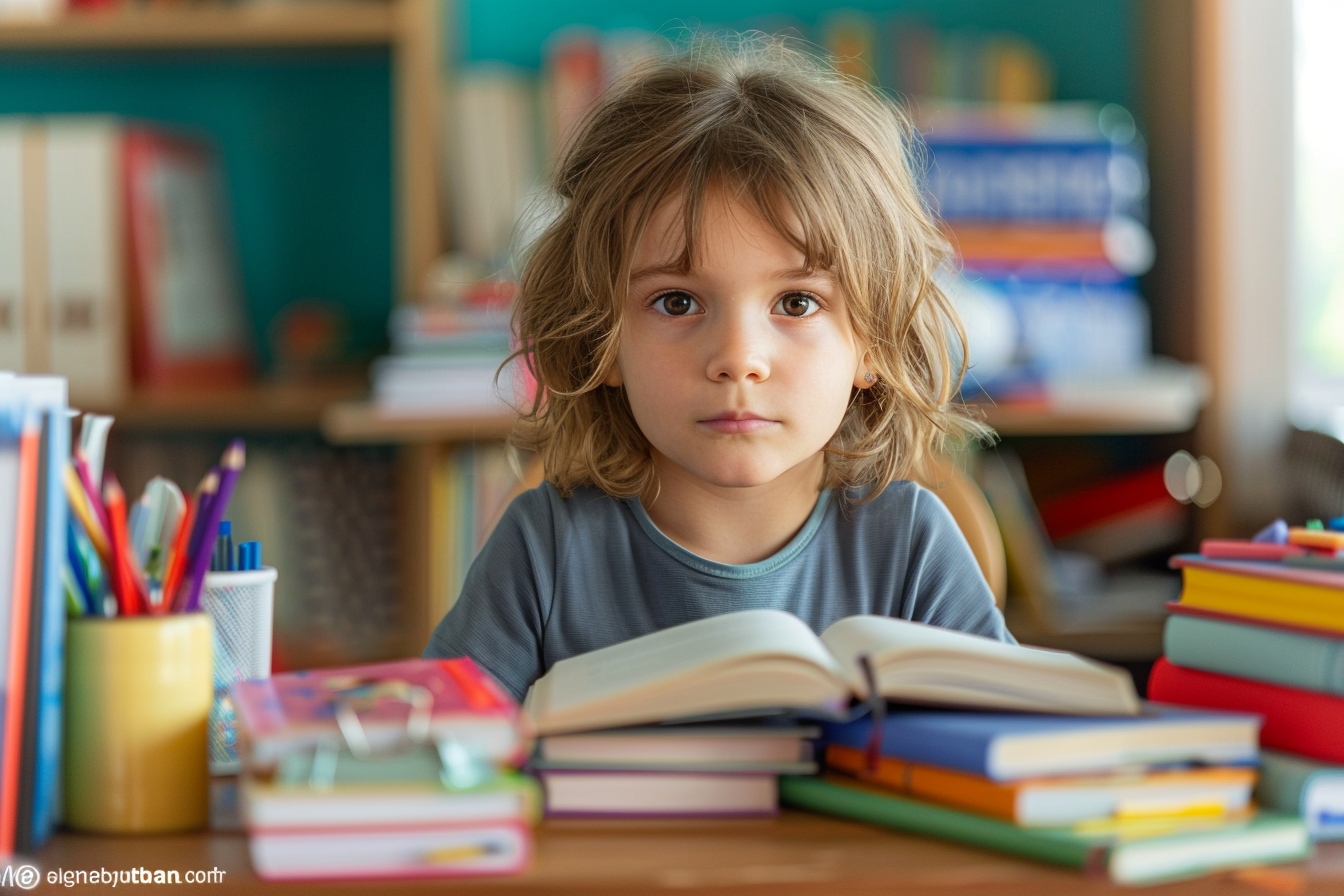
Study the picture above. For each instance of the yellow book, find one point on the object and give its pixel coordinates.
(1124, 796)
(1293, 596)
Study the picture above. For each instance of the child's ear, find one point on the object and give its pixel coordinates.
(613, 377)
(864, 377)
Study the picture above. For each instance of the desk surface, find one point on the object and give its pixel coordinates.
(794, 854)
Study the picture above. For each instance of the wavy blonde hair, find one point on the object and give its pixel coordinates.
(788, 134)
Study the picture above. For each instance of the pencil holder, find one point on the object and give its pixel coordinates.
(137, 701)
(242, 605)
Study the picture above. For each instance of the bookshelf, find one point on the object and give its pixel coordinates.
(239, 26)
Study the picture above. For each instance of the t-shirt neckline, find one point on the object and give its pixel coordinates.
(800, 540)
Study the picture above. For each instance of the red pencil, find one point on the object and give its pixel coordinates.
(176, 557)
(172, 583)
(125, 586)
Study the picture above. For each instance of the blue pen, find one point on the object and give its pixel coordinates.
(226, 534)
(249, 556)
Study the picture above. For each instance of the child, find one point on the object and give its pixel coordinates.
(742, 349)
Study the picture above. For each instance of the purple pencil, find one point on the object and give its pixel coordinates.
(230, 465)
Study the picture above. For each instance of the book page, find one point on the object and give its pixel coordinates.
(928, 664)
(658, 664)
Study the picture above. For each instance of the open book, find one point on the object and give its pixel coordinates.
(771, 660)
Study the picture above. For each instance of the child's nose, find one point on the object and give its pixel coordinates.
(739, 352)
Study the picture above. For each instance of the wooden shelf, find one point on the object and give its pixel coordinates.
(263, 406)
(242, 25)
(362, 422)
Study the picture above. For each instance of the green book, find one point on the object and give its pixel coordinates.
(1131, 858)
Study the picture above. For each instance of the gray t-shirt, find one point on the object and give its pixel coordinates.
(563, 576)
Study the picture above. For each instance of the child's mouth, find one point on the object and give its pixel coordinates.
(737, 423)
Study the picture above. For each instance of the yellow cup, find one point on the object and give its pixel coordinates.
(137, 702)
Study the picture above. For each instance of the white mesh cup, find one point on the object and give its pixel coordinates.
(242, 605)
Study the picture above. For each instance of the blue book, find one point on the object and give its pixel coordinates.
(1308, 788)
(1012, 746)
(1294, 659)
(1051, 180)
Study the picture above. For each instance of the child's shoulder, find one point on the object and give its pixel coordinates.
(903, 503)
(546, 502)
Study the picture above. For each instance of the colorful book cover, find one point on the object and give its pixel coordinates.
(394, 704)
(1125, 854)
(1009, 746)
(1295, 720)
(1273, 592)
(1064, 799)
(1259, 652)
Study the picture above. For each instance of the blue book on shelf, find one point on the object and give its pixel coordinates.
(1076, 181)
(1295, 659)
(1012, 746)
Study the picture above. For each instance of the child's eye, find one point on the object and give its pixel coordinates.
(798, 304)
(675, 304)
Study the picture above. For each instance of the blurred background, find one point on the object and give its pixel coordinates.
(295, 221)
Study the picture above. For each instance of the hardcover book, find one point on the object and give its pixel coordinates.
(393, 705)
(756, 660)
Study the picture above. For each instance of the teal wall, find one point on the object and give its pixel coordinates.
(306, 144)
(1091, 43)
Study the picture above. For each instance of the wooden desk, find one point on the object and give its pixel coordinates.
(794, 854)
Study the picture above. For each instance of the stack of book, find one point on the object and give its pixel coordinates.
(694, 770)
(1046, 206)
(1161, 795)
(1258, 629)
(400, 769)
(449, 357)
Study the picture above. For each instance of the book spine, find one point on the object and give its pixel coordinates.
(1305, 788)
(1256, 652)
(1035, 181)
(1295, 720)
(903, 814)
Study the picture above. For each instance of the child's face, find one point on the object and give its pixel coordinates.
(739, 371)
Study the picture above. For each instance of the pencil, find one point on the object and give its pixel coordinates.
(90, 489)
(178, 562)
(79, 505)
(230, 466)
(125, 586)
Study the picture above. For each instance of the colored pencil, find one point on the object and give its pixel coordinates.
(79, 506)
(191, 521)
(230, 466)
(125, 584)
(205, 495)
(90, 489)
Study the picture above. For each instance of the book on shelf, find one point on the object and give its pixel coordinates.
(1247, 649)
(1298, 721)
(1308, 788)
(185, 293)
(1132, 854)
(1008, 747)
(755, 660)
(1121, 517)
(1033, 162)
(577, 793)
(1055, 592)
(127, 268)
(1053, 801)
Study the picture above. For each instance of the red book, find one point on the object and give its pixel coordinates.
(1301, 722)
(393, 702)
